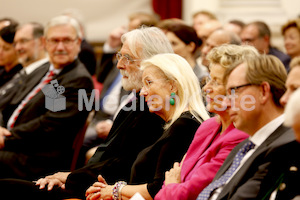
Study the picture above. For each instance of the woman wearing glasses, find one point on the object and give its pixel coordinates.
(172, 91)
(214, 139)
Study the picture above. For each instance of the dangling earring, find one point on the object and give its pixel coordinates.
(172, 99)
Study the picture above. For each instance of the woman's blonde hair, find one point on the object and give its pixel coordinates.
(227, 54)
(178, 70)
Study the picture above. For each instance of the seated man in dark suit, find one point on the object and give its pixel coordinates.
(37, 139)
(282, 180)
(134, 129)
(254, 87)
(31, 53)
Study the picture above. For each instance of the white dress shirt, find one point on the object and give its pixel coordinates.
(258, 138)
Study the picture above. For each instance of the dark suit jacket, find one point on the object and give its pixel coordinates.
(101, 115)
(43, 139)
(246, 182)
(87, 56)
(133, 130)
(283, 174)
(8, 91)
(106, 65)
(6, 76)
(285, 59)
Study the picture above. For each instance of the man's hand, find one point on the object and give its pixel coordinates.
(114, 39)
(3, 133)
(58, 179)
(103, 128)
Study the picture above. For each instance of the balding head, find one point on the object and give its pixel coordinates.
(218, 38)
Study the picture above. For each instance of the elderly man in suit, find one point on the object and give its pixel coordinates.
(254, 88)
(36, 140)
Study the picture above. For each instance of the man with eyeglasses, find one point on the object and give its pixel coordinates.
(258, 34)
(254, 86)
(36, 140)
(112, 91)
(31, 54)
(133, 129)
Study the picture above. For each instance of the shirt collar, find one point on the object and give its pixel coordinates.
(262, 134)
(56, 71)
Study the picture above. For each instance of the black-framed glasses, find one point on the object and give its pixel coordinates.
(235, 88)
(126, 58)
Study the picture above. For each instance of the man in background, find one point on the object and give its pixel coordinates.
(258, 34)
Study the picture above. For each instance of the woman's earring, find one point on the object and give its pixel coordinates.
(172, 99)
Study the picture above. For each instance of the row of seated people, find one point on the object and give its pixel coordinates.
(169, 123)
(187, 41)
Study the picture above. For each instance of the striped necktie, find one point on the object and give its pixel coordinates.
(205, 194)
(47, 78)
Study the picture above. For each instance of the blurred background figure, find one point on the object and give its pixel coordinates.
(166, 23)
(235, 26)
(87, 54)
(217, 38)
(28, 43)
(185, 42)
(201, 17)
(292, 82)
(9, 64)
(6, 21)
(291, 34)
(258, 34)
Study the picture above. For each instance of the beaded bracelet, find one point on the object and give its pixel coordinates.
(115, 190)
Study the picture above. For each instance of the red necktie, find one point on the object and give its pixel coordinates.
(33, 92)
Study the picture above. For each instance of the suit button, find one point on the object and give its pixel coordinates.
(293, 169)
(282, 186)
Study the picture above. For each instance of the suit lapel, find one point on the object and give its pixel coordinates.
(30, 82)
(280, 136)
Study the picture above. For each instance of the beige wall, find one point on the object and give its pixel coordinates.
(101, 16)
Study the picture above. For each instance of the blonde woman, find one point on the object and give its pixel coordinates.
(172, 91)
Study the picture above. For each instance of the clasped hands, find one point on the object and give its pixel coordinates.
(99, 190)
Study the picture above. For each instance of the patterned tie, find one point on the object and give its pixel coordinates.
(47, 78)
(205, 194)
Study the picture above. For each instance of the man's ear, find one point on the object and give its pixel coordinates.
(265, 92)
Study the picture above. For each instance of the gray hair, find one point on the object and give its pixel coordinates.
(292, 108)
(177, 69)
(63, 20)
(149, 40)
